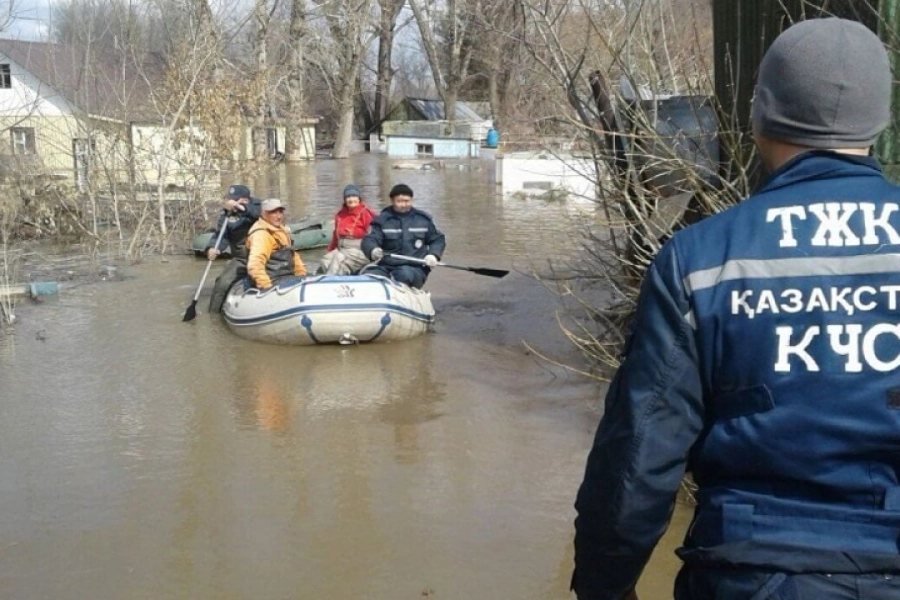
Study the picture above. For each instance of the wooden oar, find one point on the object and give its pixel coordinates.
(191, 311)
(477, 270)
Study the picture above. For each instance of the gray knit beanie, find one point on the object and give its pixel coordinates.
(351, 189)
(824, 83)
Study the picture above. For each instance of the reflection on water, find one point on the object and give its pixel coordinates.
(144, 457)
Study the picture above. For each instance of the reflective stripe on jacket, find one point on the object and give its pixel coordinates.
(412, 233)
(765, 358)
(271, 254)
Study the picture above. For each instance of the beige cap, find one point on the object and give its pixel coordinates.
(272, 204)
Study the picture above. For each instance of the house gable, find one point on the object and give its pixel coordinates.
(94, 84)
(28, 96)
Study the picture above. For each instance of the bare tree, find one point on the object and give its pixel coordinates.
(260, 84)
(497, 38)
(651, 178)
(390, 10)
(295, 140)
(444, 37)
(350, 31)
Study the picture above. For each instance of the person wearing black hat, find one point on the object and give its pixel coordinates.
(764, 358)
(239, 212)
(402, 229)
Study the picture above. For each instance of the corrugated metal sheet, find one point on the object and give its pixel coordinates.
(433, 110)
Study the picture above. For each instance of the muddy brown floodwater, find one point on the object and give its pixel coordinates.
(143, 457)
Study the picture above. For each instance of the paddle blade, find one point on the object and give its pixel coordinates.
(498, 273)
(191, 312)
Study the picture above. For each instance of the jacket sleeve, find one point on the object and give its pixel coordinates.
(261, 248)
(653, 414)
(253, 210)
(223, 243)
(436, 241)
(374, 239)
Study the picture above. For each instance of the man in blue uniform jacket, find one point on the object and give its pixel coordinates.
(402, 229)
(765, 359)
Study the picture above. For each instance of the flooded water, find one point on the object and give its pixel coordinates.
(144, 457)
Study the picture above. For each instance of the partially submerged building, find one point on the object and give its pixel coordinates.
(418, 128)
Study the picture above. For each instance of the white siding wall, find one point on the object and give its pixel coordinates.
(186, 159)
(406, 147)
(535, 173)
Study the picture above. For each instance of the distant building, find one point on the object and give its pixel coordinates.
(417, 128)
(67, 112)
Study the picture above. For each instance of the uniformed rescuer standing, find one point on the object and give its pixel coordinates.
(764, 358)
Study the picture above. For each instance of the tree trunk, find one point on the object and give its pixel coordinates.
(451, 69)
(389, 11)
(350, 24)
(260, 120)
(344, 135)
(295, 142)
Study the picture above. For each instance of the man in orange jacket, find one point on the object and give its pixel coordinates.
(271, 253)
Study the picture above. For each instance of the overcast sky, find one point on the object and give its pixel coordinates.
(32, 20)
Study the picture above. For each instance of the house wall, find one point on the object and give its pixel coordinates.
(185, 163)
(31, 104)
(406, 147)
(538, 173)
(53, 138)
(307, 150)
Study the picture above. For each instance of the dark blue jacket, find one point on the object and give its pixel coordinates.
(764, 358)
(412, 233)
(239, 224)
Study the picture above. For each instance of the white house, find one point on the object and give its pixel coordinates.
(69, 112)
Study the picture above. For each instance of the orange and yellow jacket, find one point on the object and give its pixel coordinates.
(271, 254)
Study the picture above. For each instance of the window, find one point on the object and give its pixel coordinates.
(5, 77)
(424, 149)
(272, 141)
(82, 149)
(22, 140)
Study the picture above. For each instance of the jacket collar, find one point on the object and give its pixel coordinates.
(263, 224)
(820, 164)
